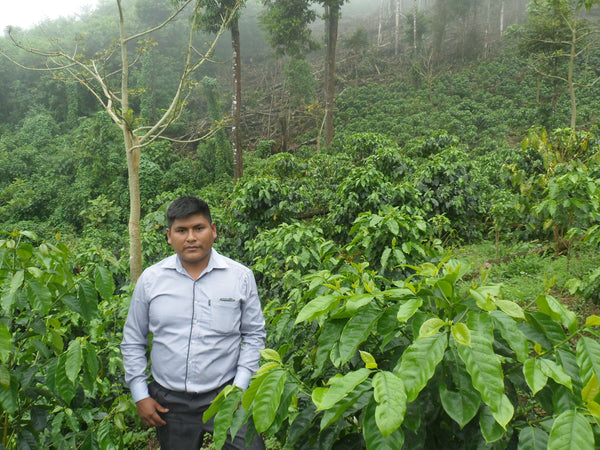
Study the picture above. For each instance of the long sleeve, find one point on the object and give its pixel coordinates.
(253, 334)
(134, 344)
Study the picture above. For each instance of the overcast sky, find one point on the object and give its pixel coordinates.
(28, 13)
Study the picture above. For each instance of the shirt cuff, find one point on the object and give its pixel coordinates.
(242, 378)
(139, 391)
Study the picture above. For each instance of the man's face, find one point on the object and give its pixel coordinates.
(192, 239)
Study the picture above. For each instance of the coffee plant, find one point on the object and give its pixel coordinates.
(60, 367)
(357, 360)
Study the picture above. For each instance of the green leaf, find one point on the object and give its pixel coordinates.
(104, 282)
(482, 300)
(4, 377)
(588, 358)
(409, 308)
(64, 386)
(9, 397)
(88, 300)
(267, 399)
(357, 330)
(73, 360)
(340, 386)
(510, 308)
(328, 338)
(533, 438)
(38, 295)
(535, 378)
(430, 327)
(5, 343)
(490, 430)
(270, 355)
(555, 309)
(216, 403)
(592, 321)
(224, 416)
(355, 400)
(317, 307)
(389, 392)
(374, 439)
(484, 367)
(419, 361)
(571, 430)
(512, 334)
(461, 333)
(8, 297)
(505, 413)
(461, 405)
(357, 301)
(91, 365)
(368, 359)
(556, 372)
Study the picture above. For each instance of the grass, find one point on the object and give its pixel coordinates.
(525, 273)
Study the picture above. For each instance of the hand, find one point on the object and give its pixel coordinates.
(148, 410)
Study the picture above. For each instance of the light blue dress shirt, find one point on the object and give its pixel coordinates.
(205, 332)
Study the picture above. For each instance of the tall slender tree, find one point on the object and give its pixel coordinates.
(216, 11)
(288, 24)
(110, 86)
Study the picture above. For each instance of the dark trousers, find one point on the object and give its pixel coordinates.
(185, 428)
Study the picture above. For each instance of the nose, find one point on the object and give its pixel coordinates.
(191, 236)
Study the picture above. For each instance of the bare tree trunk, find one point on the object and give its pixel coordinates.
(501, 18)
(334, 12)
(236, 103)
(132, 151)
(415, 9)
(570, 82)
(380, 24)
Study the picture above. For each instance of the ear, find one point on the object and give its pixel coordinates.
(213, 227)
(169, 235)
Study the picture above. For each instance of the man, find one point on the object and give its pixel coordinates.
(205, 317)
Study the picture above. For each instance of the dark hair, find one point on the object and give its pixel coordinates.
(187, 206)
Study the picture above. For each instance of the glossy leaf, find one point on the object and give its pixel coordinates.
(73, 360)
(267, 399)
(419, 361)
(588, 357)
(490, 429)
(224, 416)
(104, 282)
(357, 330)
(461, 333)
(374, 439)
(461, 405)
(408, 308)
(388, 391)
(368, 359)
(513, 335)
(571, 430)
(533, 438)
(485, 369)
(430, 327)
(317, 307)
(559, 312)
(339, 387)
(5, 343)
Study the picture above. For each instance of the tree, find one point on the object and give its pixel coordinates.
(109, 84)
(555, 32)
(287, 22)
(216, 11)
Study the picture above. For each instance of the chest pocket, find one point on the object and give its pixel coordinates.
(226, 315)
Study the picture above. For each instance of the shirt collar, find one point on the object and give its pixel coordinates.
(216, 261)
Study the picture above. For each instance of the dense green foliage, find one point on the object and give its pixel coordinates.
(382, 332)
